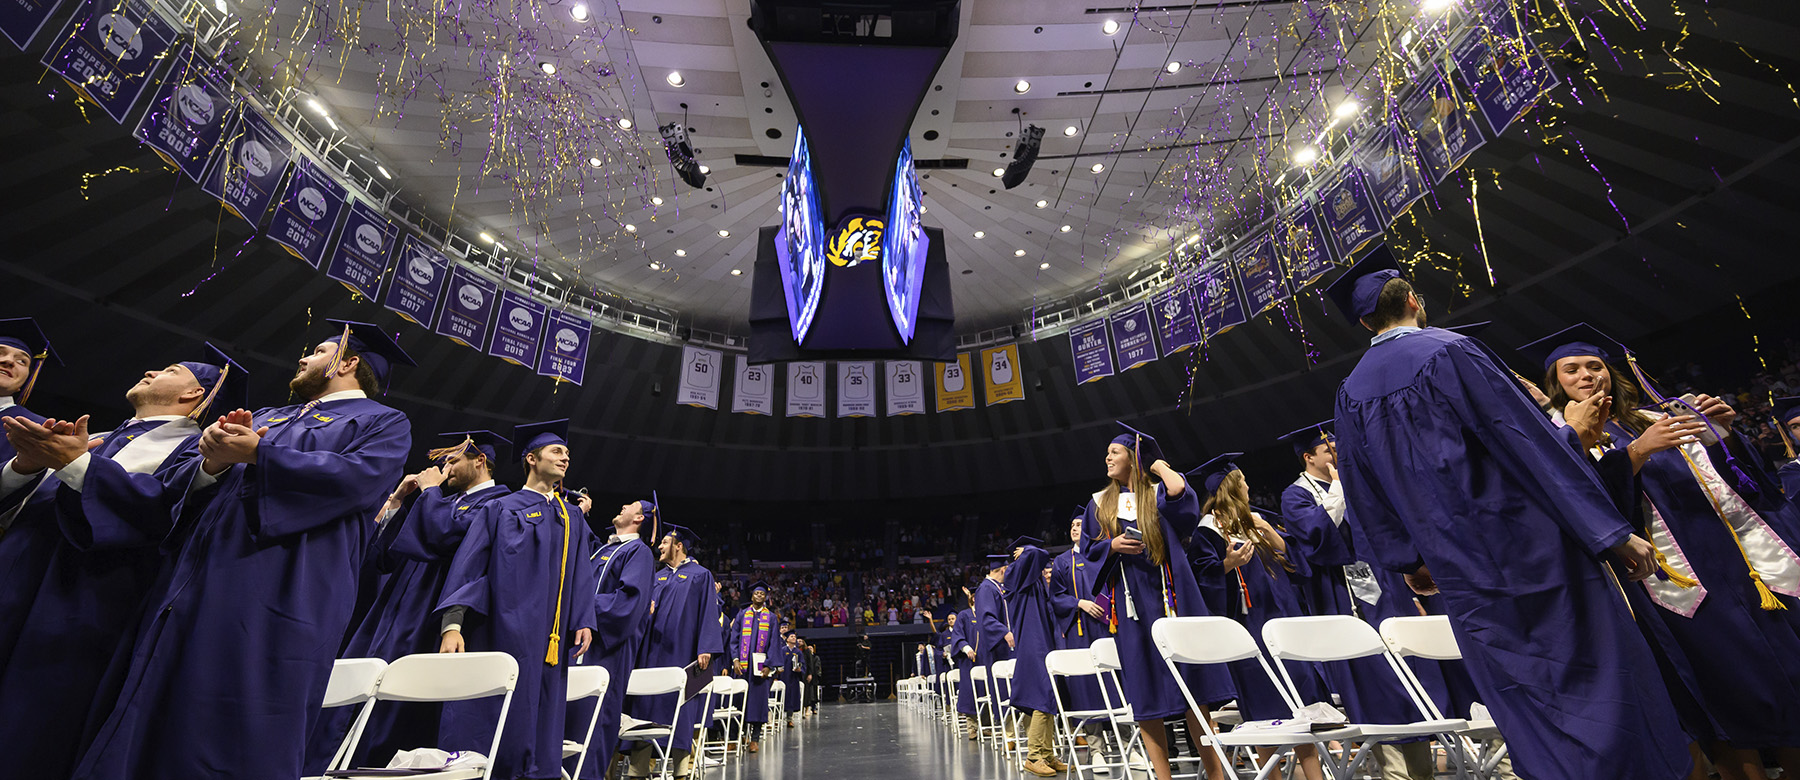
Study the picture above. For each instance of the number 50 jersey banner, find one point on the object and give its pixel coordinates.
(700, 377)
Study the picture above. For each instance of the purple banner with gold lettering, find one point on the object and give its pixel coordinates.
(1134, 337)
(468, 306)
(518, 329)
(1260, 273)
(187, 114)
(109, 51)
(307, 215)
(1087, 345)
(362, 250)
(1391, 171)
(564, 355)
(1349, 210)
(419, 275)
(1179, 324)
(20, 20)
(1219, 297)
(1304, 249)
(1446, 133)
(1502, 68)
(246, 171)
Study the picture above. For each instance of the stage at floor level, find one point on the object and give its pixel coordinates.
(863, 741)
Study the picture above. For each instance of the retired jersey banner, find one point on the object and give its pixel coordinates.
(1005, 382)
(1092, 355)
(362, 250)
(1446, 133)
(1176, 320)
(187, 114)
(1133, 335)
(1502, 68)
(1264, 285)
(246, 171)
(419, 274)
(806, 389)
(308, 213)
(1305, 251)
(109, 51)
(702, 372)
(518, 330)
(20, 20)
(1391, 171)
(564, 355)
(856, 389)
(1219, 297)
(905, 387)
(754, 392)
(464, 316)
(1349, 210)
(955, 388)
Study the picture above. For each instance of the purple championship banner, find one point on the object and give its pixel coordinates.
(419, 275)
(1349, 211)
(1134, 337)
(246, 170)
(20, 20)
(1446, 133)
(564, 356)
(1390, 170)
(362, 250)
(307, 215)
(518, 330)
(1219, 297)
(109, 51)
(1179, 324)
(1093, 358)
(187, 114)
(464, 316)
(1302, 245)
(1502, 68)
(1261, 274)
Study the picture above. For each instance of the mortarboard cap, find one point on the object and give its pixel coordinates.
(23, 333)
(997, 561)
(1212, 472)
(1143, 445)
(759, 585)
(376, 347)
(1305, 439)
(651, 529)
(487, 443)
(1358, 289)
(1080, 512)
(1786, 409)
(226, 383)
(532, 436)
(681, 533)
(1026, 541)
(1469, 328)
(1580, 339)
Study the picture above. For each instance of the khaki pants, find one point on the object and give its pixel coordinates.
(1040, 737)
(1411, 761)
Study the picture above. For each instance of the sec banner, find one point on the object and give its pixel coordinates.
(955, 388)
(1005, 382)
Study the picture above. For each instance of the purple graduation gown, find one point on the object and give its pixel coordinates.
(1446, 463)
(961, 642)
(25, 545)
(1790, 482)
(684, 625)
(509, 571)
(1028, 605)
(6, 448)
(1257, 592)
(1149, 687)
(755, 631)
(100, 564)
(411, 553)
(1074, 629)
(226, 671)
(793, 676)
(623, 575)
(990, 627)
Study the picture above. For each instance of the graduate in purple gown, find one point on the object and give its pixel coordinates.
(258, 591)
(1142, 571)
(1724, 606)
(1259, 564)
(520, 583)
(24, 547)
(962, 649)
(793, 675)
(102, 512)
(1077, 621)
(624, 571)
(1451, 473)
(684, 631)
(421, 525)
(1787, 423)
(991, 631)
(23, 350)
(753, 632)
(1034, 635)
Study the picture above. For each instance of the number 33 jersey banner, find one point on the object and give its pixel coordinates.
(699, 378)
(905, 388)
(955, 385)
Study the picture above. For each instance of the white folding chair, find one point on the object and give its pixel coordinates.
(721, 709)
(778, 702)
(585, 682)
(353, 681)
(1105, 652)
(655, 681)
(1070, 665)
(952, 681)
(1319, 638)
(1430, 637)
(447, 677)
(1221, 640)
(1010, 717)
(987, 718)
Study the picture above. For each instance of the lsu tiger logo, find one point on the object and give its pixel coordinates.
(857, 242)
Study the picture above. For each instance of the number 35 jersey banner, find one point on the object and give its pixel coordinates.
(856, 389)
(700, 369)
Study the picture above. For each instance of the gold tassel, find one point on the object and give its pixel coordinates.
(1769, 602)
(37, 365)
(552, 656)
(1677, 578)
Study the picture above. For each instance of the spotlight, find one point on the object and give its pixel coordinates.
(624, 123)
(723, 233)
(980, 235)
(705, 170)
(549, 68)
(1022, 87)
(630, 228)
(486, 237)
(594, 162)
(1173, 67)
(999, 172)
(675, 79)
(1098, 167)
(383, 171)
(681, 253)
(1109, 27)
(655, 266)
(1071, 130)
(1305, 155)
(220, 4)
(1024, 154)
(1347, 109)
(737, 272)
(1067, 228)
(1018, 253)
(1436, 6)
(1043, 266)
(579, 12)
(1042, 203)
(656, 200)
(681, 155)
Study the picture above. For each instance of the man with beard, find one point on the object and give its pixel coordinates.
(262, 575)
(754, 632)
(684, 632)
(624, 570)
(23, 350)
(421, 525)
(521, 583)
(95, 517)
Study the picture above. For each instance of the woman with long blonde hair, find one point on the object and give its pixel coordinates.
(1141, 574)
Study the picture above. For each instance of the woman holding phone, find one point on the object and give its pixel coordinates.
(1722, 610)
(1141, 574)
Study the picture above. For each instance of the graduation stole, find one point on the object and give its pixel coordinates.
(551, 656)
(751, 630)
(1075, 585)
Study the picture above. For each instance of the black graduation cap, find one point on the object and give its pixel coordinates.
(1580, 339)
(1305, 439)
(376, 347)
(226, 383)
(487, 443)
(23, 333)
(532, 436)
(1143, 445)
(1786, 409)
(1469, 328)
(1358, 289)
(1212, 472)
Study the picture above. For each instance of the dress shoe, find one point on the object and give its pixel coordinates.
(1039, 768)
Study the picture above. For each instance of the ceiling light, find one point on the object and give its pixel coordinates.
(1109, 26)
(980, 235)
(624, 123)
(999, 172)
(220, 4)
(333, 123)
(656, 200)
(579, 12)
(594, 162)
(1434, 6)
(1347, 109)
(316, 106)
(499, 247)
(675, 79)
(383, 171)
(1042, 203)
(681, 253)
(1018, 253)
(1305, 155)
(737, 272)
(1022, 87)
(655, 266)
(1067, 228)
(1071, 130)
(1098, 167)
(630, 228)
(1043, 266)
(723, 233)
(486, 237)
(549, 68)
(705, 170)
(1172, 67)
